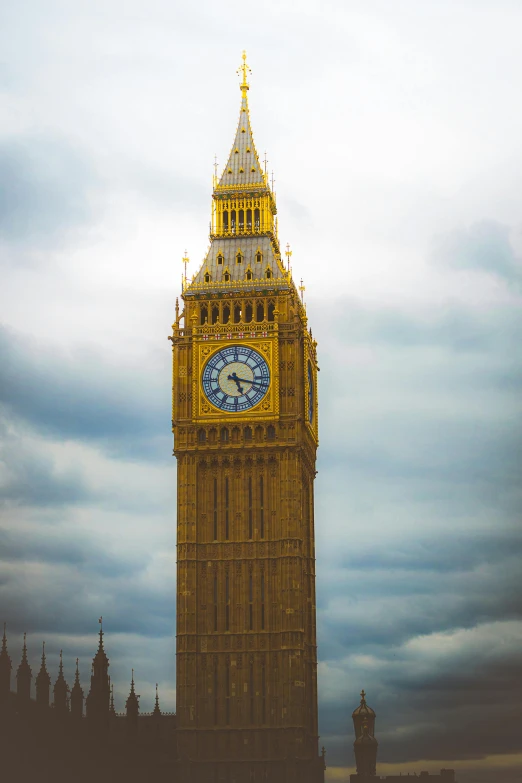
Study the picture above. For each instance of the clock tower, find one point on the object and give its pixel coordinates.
(244, 410)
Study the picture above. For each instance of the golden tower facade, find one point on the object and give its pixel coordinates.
(244, 416)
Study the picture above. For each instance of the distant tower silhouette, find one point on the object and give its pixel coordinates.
(60, 693)
(99, 695)
(77, 696)
(132, 706)
(24, 676)
(5, 670)
(365, 745)
(43, 683)
(112, 711)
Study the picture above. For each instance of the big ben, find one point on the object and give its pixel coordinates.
(244, 410)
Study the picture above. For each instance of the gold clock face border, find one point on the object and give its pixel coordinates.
(267, 408)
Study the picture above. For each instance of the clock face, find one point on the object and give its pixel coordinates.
(235, 378)
(310, 393)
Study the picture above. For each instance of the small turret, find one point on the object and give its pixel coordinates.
(77, 696)
(24, 676)
(365, 748)
(43, 683)
(60, 692)
(132, 707)
(5, 670)
(363, 714)
(365, 745)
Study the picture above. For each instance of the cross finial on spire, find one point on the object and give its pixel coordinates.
(242, 71)
(363, 694)
(302, 289)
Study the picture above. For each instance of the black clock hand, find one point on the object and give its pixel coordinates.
(237, 380)
(246, 380)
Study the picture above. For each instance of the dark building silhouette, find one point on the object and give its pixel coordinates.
(57, 742)
(365, 750)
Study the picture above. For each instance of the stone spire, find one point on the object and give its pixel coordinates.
(99, 694)
(156, 711)
(112, 711)
(5, 670)
(60, 691)
(132, 707)
(24, 676)
(77, 696)
(43, 683)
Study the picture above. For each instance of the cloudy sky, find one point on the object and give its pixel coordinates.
(395, 135)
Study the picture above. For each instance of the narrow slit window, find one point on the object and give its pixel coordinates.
(220, 259)
(216, 694)
(263, 601)
(239, 258)
(207, 277)
(261, 507)
(215, 510)
(250, 510)
(251, 693)
(259, 257)
(251, 604)
(226, 509)
(215, 603)
(227, 604)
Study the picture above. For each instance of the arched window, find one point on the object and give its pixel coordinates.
(239, 258)
(247, 433)
(248, 313)
(268, 274)
(204, 315)
(249, 219)
(270, 432)
(220, 258)
(259, 257)
(202, 436)
(256, 219)
(260, 312)
(215, 314)
(212, 435)
(224, 435)
(233, 221)
(226, 277)
(225, 220)
(241, 219)
(207, 277)
(237, 313)
(249, 274)
(271, 309)
(226, 314)
(259, 433)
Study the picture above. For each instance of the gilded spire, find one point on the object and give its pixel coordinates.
(242, 71)
(243, 168)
